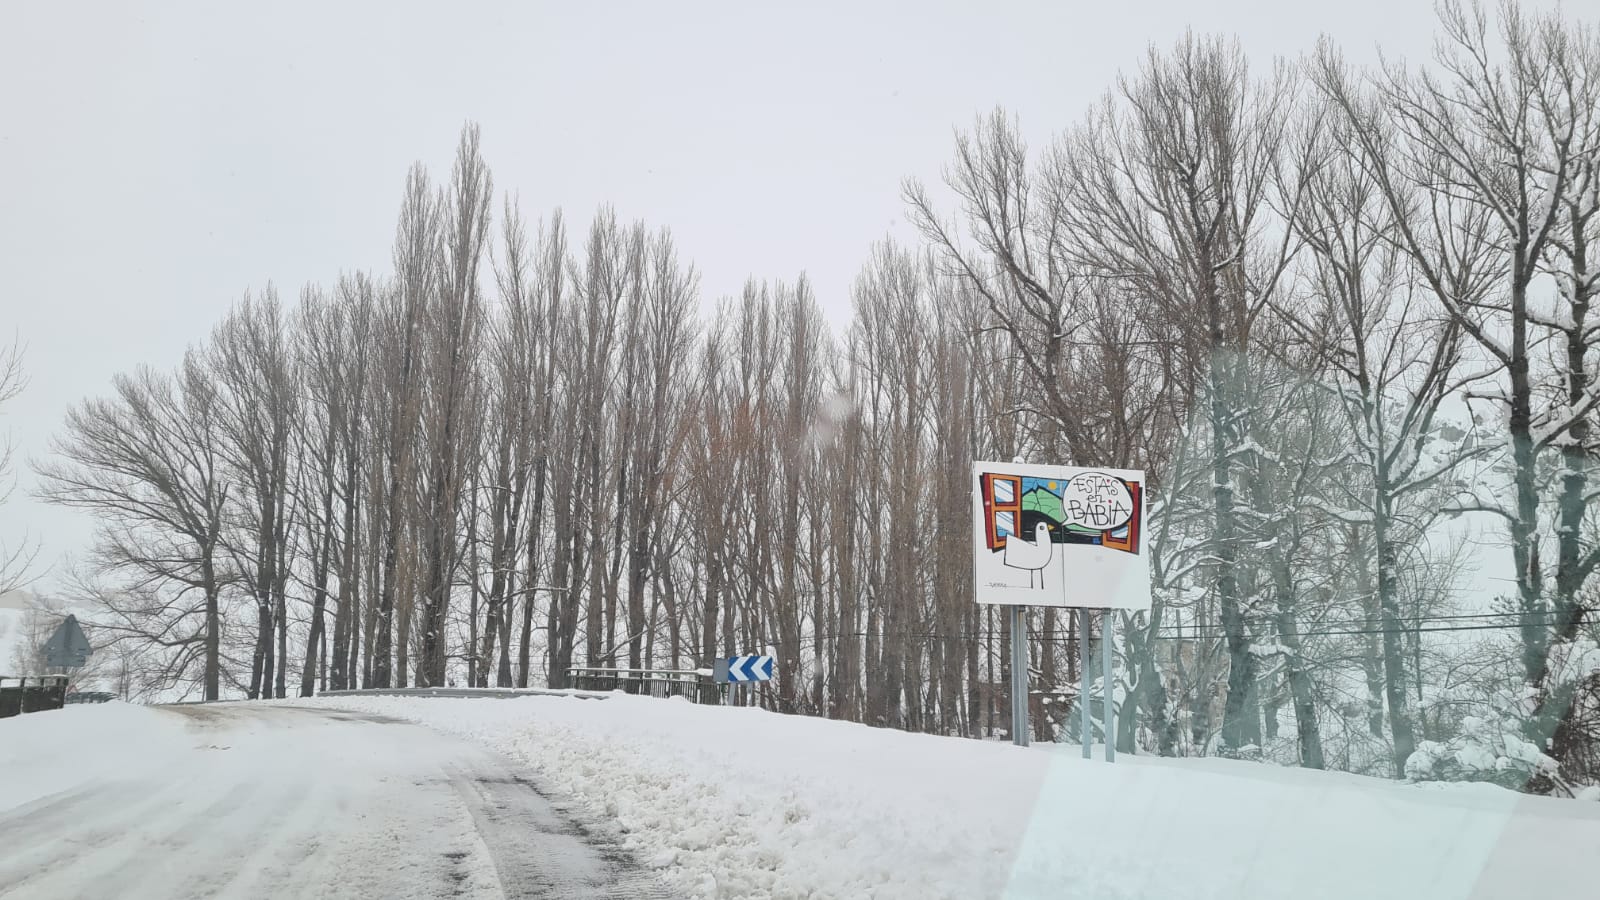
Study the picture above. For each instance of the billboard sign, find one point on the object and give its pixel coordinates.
(1060, 536)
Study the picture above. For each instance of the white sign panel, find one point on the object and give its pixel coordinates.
(1059, 536)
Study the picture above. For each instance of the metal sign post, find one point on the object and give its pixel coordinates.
(1108, 692)
(1083, 680)
(1019, 676)
(1108, 706)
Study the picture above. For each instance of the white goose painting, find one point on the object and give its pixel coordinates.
(1020, 554)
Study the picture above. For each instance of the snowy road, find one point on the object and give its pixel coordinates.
(278, 801)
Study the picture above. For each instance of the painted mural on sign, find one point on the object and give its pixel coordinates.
(1090, 508)
(1040, 527)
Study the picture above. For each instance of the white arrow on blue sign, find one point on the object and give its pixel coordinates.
(737, 669)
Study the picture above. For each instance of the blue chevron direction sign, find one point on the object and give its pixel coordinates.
(739, 669)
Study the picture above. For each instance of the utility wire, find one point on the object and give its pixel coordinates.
(1192, 634)
(1432, 617)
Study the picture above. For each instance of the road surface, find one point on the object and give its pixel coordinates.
(270, 800)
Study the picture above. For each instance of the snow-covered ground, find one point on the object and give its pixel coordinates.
(273, 799)
(264, 800)
(740, 803)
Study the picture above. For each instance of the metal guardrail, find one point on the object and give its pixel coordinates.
(45, 692)
(90, 697)
(692, 684)
(460, 693)
(588, 683)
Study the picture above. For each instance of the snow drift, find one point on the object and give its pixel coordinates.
(749, 804)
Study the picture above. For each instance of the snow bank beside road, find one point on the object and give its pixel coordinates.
(742, 803)
(44, 752)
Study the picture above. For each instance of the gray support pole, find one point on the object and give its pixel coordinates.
(1019, 676)
(1108, 692)
(1083, 678)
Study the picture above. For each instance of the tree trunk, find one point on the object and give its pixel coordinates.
(1394, 671)
(1240, 725)
(535, 541)
(1301, 689)
(314, 639)
(213, 672)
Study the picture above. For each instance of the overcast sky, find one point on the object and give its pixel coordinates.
(157, 160)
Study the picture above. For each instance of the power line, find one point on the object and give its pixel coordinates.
(1429, 617)
(1506, 626)
(1193, 634)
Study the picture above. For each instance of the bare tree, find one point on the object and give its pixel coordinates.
(660, 335)
(550, 293)
(398, 386)
(1508, 128)
(319, 336)
(1396, 361)
(15, 562)
(709, 469)
(346, 393)
(584, 344)
(148, 463)
(449, 408)
(1016, 265)
(1167, 191)
(259, 399)
(513, 346)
